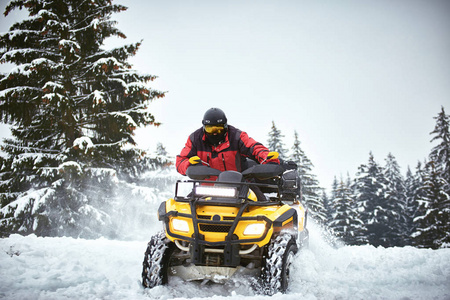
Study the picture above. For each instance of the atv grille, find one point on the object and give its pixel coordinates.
(214, 228)
(205, 217)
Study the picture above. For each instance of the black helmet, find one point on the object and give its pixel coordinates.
(214, 116)
(215, 125)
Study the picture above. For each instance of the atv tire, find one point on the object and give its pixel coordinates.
(156, 261)
(275, 274)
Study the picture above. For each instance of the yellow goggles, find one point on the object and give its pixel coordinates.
(212, 129)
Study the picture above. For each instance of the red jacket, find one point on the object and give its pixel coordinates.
(229, 155)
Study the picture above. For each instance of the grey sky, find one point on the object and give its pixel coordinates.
(350, 76)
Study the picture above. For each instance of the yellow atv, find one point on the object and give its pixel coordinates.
(243, 224)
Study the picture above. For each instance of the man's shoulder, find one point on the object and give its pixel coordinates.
(234, 130)
(235, 133)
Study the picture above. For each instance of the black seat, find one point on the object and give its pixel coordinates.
(230, 176)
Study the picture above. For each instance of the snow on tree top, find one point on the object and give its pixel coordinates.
(7, 92)
(70, 44)
(47, 14)
(137, 86)
(83, 143)
(50, 85)
(70, 164)
(41, 61)
(13, 33)
(21, 204)
(50, 96)
(126, 116)
(98, 97)
(95, 23)
(107, 61)
(9, 56)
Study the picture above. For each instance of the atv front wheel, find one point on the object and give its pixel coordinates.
(275, 274)
(156, 261)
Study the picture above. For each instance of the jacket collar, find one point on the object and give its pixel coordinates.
(224, 145)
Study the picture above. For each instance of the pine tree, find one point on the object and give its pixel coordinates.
(370, 187)
(345, 223)
(275, 141)
(440, 154)
(412, 188)
(312, 193)
(331, 209)
(161, 150)
(73, 108)
(432, 225)
(432, 215)
(395, 205)
(327, 204)
(161, 160)
(416, 205)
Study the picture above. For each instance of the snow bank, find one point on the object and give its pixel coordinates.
(66, 268)
(366, 272)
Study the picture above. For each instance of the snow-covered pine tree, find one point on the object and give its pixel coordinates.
(440, 154)
(328, 208)
(369, 188)
(275, 141)
(161, 167)
(161, 150)
(345, 223)
(416, 205)
(433, 227)
(395, 205)
(312, 193)
(73, 107)
(331, 207)
(431, 220)
(412, 187)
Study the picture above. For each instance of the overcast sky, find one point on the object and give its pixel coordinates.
(350, 76)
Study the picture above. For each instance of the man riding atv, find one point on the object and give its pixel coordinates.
(239, 214)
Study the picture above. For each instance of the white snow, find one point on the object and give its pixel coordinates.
(52, 86)
(98, 97)
(105, 61)
(83, 143)
(70, 165)
(129, 119)
(69, 43)
(95, 23)
(65, 268)
(29, 198)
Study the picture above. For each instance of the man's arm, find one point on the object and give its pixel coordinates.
(182, 162)
(255, 150)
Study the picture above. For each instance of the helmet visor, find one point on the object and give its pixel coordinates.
(214, 129)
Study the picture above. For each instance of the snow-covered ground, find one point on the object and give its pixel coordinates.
(66, 268)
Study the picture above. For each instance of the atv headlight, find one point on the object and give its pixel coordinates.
(214, 191)
(180, 225)
(255, 229)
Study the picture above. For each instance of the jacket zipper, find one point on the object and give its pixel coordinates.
(223, 160)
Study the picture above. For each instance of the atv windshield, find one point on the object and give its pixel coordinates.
(211, 191)
(220, 193)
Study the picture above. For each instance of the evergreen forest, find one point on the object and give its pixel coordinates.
(380, 206)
